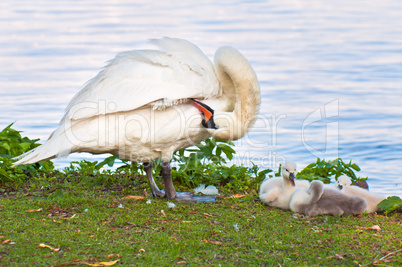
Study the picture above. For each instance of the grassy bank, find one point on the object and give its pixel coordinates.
(92, 224)
(85, 215)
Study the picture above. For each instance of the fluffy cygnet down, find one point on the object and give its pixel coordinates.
(372, 199)
(318, 199)
(276, 192)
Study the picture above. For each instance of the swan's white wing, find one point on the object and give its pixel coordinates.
(179, 70)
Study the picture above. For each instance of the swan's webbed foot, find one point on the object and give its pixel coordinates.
(156, 192)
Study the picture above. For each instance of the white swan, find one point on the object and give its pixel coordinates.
(318, 199)
(372, 199)
(139, 106)
(276, 192)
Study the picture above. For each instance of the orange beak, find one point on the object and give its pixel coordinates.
(206, 111)
(207, 114)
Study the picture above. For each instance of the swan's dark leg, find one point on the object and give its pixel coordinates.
(154, 188)
(169, 187)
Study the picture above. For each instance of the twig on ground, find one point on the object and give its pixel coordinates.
(138, 225)
(383, 258)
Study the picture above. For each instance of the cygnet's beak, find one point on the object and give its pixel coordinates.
(340, 186)
(292, 178)
(207, 114)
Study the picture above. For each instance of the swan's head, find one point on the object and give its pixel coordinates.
(222, 125)
(207, 114)
(343, 181)
(289, 171)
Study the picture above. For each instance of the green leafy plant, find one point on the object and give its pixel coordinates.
(208, 150)
(391, 204)
(230, 178)
(12, 144)
(205, 164)
(324, 170)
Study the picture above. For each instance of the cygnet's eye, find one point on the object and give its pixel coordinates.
(286, 170)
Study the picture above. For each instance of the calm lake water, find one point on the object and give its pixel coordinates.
(330, 71)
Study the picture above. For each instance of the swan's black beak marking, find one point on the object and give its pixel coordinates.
(340, 186)
(292, 178)
(207, 114)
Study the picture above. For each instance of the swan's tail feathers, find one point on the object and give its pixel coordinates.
(56, 146)
(33, 156)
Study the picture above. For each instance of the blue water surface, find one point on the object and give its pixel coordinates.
(330, 71)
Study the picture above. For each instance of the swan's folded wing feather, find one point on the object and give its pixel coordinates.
(137, 78)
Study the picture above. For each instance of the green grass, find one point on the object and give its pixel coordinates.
(82, 214)
(87, 224)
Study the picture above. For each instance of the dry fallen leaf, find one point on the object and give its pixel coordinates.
(49, 247)
(181, 262)
(163, 212)
(141, 250)
(5, 241)
(237, 196)
(133, 197)
(374, 227)
(113, 255)
(103, 263)
(37, 210)
(213, 242)
(215, 222)
(336, 257)
(146, 194)
(73, 262)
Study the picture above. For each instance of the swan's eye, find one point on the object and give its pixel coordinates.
(286, 170)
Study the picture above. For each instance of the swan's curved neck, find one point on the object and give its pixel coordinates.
(240, 85)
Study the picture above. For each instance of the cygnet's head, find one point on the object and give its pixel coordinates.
(343, 181)
(289, 171)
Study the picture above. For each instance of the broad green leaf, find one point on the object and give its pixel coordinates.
(355, 167)
(391, 204)
(25, 146)
(5, 146)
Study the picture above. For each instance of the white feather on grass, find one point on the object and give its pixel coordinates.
(171, 205)
(210, 190)
(236, 227)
